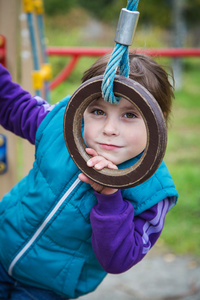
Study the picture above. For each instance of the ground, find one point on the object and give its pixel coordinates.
(160, 276)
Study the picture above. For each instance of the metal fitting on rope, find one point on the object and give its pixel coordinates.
(28, 6)
(39, 8)
(39, 76)
(126, 27)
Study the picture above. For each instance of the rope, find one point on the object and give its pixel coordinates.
(119, 60)
(40, 23)
(33, 41)
(45, 60)
(41, 74)
(36, 63)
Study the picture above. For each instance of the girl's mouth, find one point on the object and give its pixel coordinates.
(110, 147)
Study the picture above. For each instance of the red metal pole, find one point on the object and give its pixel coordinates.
(172, 52)
(84, 51)
(77, 52)
(80, 51)
(64, 73)
(3, 50)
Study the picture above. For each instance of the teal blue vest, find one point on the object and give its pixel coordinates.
(45, 231)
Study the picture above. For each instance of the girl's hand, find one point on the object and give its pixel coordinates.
(98, 162)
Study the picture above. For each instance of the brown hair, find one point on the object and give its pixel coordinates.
(145, 71)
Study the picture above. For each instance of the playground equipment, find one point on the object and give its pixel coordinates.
(112, 88)
(42, 73)
(28, 19)
(8, 51)
(3, 50)
(3, 140)
(155, 125)
(76, 53)
(42, 70)
(3, 156)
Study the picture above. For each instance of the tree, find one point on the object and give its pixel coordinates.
(154, 12)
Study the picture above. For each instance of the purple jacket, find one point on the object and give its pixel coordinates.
(119, 239)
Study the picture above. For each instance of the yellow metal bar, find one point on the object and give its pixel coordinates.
(46, 72)
(38, 77)
(37, 80)
(28, 6)
(39, 8)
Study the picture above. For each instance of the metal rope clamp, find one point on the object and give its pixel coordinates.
(152, 115)
(126, 27)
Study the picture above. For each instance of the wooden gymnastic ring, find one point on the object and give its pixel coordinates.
(155, 127)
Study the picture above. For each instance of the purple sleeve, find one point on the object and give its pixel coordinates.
(19, 111)
(120, 239)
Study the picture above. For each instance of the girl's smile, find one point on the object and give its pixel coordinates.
(110, 147)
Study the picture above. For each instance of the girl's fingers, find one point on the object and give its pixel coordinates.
(92, 162)
(93, 184)
(112, 166)
(85, 179)
(98, 162)
(91, 152)
(101, 164)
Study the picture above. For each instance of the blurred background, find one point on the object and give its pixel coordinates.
(163, 24)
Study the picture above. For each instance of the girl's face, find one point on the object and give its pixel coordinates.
(115, 131)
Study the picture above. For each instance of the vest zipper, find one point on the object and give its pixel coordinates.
(42, 226)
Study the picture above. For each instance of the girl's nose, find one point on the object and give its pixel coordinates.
(111, 127)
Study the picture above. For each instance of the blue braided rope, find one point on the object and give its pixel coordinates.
(33, 41)
(119, 60)
(40, 23)
(33, 46)
(132, 5)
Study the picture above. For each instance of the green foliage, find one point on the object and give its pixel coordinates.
(192, 12)
(182, 229)
(154, 12)
(93, 6)
(107, 10)
(53, 7)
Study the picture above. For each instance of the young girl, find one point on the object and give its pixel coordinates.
(60, 232)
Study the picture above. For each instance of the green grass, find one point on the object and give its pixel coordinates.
(182, 231)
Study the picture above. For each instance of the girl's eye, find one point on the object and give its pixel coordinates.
(130, 115)
(98, 112)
